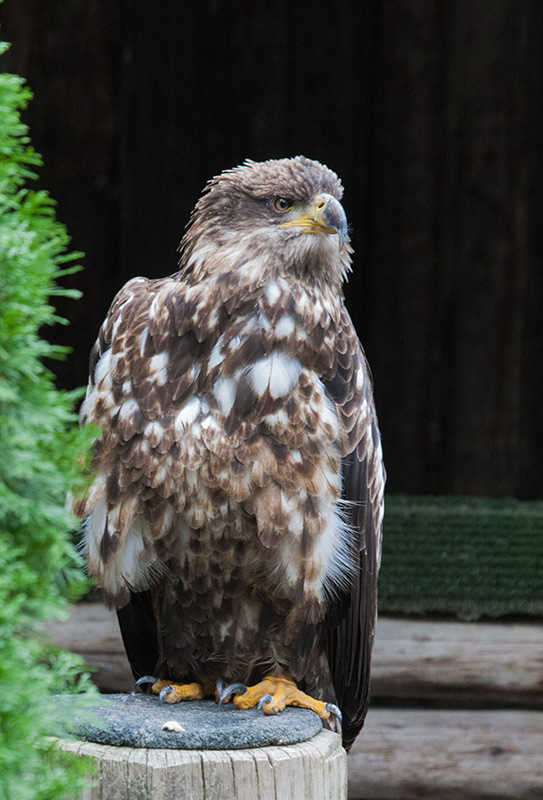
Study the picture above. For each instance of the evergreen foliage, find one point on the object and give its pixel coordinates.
(40, 444)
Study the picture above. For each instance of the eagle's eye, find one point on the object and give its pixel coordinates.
(282, 205)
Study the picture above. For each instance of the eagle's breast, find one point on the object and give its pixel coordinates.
(221, 451)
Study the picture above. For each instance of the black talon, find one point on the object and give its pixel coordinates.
(141, 681)
(334, 710)
(234, 688)
(266, 698)
(163, 692)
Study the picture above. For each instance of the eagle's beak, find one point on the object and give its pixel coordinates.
(324, 215)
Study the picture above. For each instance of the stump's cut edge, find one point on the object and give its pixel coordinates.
(137, 721)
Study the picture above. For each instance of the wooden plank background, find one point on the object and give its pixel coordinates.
(408, 754)
(430, 111)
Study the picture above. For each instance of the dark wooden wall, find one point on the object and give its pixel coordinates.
(430, 110)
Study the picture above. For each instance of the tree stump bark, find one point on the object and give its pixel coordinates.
(312, 770)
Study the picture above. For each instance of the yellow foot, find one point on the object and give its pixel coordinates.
(169, 692)
(273, 695)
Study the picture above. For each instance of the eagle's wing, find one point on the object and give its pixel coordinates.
(136, 619)
(138, 626)
(144, 364)
(144, 367)
(351, 618)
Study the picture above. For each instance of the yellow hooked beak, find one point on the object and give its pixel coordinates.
(324, 215)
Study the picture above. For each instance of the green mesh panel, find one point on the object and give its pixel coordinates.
(462, 555)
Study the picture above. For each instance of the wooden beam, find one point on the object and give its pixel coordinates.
(92, 631)
(458, 663)
(405, 754)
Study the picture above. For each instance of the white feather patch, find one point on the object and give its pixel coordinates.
(143, 340)
(153, 433)
(159, 367)
(235, 342)
(276, 373)
(285, 326)
(87, 405)
(279, 420)
(359, 379)
(216, 356)
(296, 456)
(103, 367)
(187, 414)
(332, 550)
(224, 390)
(263, 321)
(94, 528)
(153, 308)
(131, 565)
(116, 325)
(273, 293)
(128, 408)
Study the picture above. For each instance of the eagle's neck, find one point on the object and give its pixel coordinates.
(255, 260)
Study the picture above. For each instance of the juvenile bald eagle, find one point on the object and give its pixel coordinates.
(235, 518)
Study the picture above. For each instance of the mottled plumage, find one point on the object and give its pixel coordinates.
(236, 514)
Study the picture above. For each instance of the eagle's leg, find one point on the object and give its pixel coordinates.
(274, 694)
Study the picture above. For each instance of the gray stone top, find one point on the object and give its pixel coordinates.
(139, 720)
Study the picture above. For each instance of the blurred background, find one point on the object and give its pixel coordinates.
(431, 113)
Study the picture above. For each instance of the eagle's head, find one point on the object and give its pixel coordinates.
(278, 216)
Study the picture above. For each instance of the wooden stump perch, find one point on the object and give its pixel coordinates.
(312, 770)
(406, 753)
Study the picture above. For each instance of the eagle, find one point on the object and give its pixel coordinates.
(234, 516)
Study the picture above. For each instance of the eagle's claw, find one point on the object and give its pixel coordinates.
(266, 698)
(219, 688)
(141, 681)
(164, 691)
(333, 709)
(234, 688)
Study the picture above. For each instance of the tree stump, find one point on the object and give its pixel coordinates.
(312, 770)
(208, 753)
